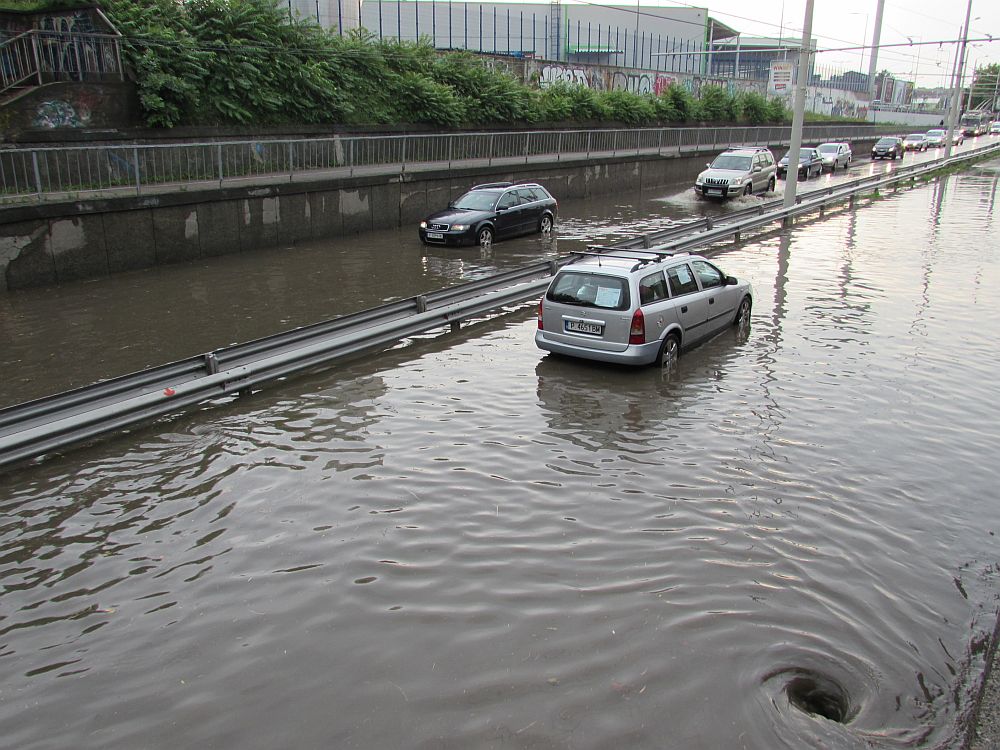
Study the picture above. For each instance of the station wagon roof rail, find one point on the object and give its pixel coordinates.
(611, 253)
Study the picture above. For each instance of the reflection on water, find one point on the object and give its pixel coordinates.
(785, 541)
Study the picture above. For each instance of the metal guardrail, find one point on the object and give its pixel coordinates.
(40, 56)
(60, 173)
(43, 425)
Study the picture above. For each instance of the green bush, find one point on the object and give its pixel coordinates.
(714, 104)
(219, 62)
(629, 108)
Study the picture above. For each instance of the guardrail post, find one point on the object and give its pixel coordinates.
(211, 363)
(527, 149)
(402, 156)
(135, 166)
(559, 147)
(614, 145)
(659, 145)
(553, 268)
(218, 157)
(450, 139)
(421, 302)
(351, 153)
(291, 161)
(456, 326)
(490, 160)
(736, 237)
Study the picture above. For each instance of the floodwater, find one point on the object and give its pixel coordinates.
(786, 541)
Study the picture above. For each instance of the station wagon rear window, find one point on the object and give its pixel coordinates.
(590, 290)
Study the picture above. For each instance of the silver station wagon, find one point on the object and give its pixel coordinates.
(638, 307)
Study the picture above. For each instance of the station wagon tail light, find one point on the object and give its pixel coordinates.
(540, 326)
(637, 331)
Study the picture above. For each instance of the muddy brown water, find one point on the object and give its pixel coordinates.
(786, 541)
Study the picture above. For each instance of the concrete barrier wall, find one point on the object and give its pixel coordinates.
(57, 243)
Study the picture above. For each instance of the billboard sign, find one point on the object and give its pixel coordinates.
(780, 77)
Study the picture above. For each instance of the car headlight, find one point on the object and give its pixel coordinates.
(423, 225)
(459, 227)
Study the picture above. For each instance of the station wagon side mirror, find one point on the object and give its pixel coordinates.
(731, 281)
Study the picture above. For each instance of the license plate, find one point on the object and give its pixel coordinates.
(435, 236)
(582, 326)
(713, 191)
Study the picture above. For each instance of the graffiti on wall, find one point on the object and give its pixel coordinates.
(58, 113)
(837, 103)
(551, 74)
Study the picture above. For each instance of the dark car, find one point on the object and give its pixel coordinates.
(810, 163)
(491, 211)
(888, 148)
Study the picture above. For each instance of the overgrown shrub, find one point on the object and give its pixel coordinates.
(246, 61)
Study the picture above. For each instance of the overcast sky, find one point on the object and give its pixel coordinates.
(841, 23)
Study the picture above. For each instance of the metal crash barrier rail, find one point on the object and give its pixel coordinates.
(53, 422)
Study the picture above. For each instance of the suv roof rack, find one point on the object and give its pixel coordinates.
(487, 185)
(746, 148)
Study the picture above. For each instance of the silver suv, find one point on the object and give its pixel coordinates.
(740, 170)
(638, 306)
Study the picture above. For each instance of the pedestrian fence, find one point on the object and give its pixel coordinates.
(60, 173)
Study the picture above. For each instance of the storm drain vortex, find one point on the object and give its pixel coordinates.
(820, 696)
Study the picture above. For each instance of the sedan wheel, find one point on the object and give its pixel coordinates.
(485, 237)
(545, 225)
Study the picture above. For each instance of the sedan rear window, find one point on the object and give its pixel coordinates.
(590, 290)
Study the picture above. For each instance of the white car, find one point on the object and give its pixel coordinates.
(916, 142)
(835, 155)
(995, 128)
(637, 307)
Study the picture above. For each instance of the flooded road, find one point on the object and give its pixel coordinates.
(56, 338)
(466, 543)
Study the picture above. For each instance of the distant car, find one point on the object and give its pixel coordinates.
(995, 128)
(491, 211)
(888, 148)
(637, 307)
(958, 137)
(936, 137)
(810, 163)
(915, 142)
(740, 170)
(835, 155)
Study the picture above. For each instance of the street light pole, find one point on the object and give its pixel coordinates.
(957, 93)
(798, 112)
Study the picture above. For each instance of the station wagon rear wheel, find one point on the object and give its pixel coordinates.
(485, 237)
(545, 225)
(669, 351)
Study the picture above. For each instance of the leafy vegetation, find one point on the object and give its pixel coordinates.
(212, 62)
(43, 6)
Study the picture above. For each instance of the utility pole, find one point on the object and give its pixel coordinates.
(956, 96)
(798, 112)
(876, 38)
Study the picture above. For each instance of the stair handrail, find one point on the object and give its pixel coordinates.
(16, 64)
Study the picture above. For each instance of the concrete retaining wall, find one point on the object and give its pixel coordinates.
(57, 243)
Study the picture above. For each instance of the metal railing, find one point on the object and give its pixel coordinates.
(37, 56)
(67, 172)
(37, 427)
